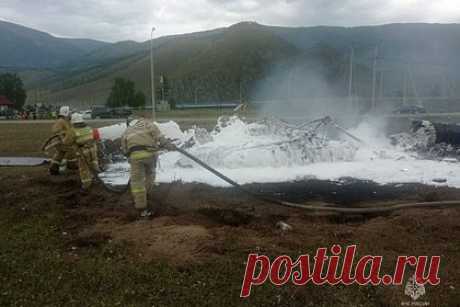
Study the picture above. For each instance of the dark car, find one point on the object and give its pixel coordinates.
(7, 114)
(101, 112)
(412, 109)
(121, 112)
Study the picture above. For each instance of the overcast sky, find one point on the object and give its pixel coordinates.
(114, 20)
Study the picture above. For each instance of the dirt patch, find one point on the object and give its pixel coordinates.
(158, 239)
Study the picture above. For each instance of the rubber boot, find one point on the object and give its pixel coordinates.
(72, 165)
(145, 214)
(54, 169)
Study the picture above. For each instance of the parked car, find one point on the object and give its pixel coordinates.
(101, 112)
(87, 114)
(121, 112)
(411, 109)
(8, 114)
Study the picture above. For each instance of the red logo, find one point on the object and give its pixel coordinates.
(325, 269)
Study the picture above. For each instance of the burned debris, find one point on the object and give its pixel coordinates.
(434, 141)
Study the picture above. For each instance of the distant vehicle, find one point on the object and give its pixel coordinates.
(101, 112)
(121, 112)
(7, 114)
(106, 112)
(87, 114)
(412, 109)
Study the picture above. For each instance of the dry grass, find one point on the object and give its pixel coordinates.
(23, 139)
(27, 138)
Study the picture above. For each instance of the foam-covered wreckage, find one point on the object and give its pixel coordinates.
(234, 143)
(430, 140)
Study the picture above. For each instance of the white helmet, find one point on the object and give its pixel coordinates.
(64, 111)
(77, 118)
(132, 120)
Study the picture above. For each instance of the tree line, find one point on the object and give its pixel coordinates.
(12, 88)
(124, 93)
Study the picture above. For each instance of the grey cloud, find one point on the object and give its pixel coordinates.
(114, 20)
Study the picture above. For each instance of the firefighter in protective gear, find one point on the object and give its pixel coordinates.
(64, 154)
(140, 143)
(81, 138)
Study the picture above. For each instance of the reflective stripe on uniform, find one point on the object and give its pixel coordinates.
(83, 135)
(137, 189)
(141, 154)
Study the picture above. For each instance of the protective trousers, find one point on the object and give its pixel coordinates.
(87, 162)
(64, 154)
(143, 164)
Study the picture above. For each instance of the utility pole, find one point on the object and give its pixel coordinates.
(241, 91)
(350, 80)
(446, 86)
(288, 94)
(414, 87)
(381, 84)
(350, 77)
(404, 87)
(152, 74)
(291, 76)
(162, 82)
(374, 75)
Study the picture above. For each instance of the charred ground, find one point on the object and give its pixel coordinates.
(63, 248)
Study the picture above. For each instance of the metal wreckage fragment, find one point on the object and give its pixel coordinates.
(282, 143)
(429, 140)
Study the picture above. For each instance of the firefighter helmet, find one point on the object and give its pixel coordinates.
(64, 111)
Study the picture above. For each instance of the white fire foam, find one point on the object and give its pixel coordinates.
(226, 149)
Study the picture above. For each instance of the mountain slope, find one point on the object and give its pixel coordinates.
(222, 63)
(209, 65)
(25, 47)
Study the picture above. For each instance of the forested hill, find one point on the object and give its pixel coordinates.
(258, 62)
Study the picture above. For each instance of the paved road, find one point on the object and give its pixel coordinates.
(449, 117)
(112, 120)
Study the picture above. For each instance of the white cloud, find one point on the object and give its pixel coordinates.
(114, 20)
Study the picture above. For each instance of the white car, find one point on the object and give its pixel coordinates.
(86, 114)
